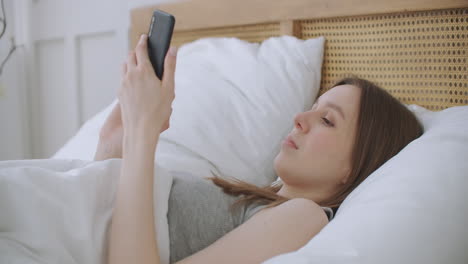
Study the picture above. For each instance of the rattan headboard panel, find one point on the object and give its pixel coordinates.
(252, 33)
(419, 57)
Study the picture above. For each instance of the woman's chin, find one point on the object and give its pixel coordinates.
(284, 155)
(280, 163)
(277, 159)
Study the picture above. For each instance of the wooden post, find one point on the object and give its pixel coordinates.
(290, 27)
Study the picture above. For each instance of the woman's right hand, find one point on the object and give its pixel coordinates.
(145, 100)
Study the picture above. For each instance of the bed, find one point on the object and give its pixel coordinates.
(417, 50)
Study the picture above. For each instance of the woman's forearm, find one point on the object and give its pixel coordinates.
(132, 233)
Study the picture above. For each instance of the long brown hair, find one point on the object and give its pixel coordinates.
(384, 127)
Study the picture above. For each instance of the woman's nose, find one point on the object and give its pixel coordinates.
(300, 122)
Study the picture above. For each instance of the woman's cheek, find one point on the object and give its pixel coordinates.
(320, 143)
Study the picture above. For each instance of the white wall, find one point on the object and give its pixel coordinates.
(67, 69)
(13, 117)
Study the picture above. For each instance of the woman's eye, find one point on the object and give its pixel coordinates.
(327, 122)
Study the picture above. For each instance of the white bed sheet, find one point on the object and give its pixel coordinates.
(59, 211)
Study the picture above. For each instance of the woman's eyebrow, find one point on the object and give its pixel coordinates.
(335, 107)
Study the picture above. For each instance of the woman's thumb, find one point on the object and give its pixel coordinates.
(169, 68)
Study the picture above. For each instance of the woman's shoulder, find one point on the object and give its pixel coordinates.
(290, 224)
(309, 207)
(294, 204)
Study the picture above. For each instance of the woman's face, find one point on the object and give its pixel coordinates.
(324, 137)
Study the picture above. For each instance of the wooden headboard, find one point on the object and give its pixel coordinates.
(416, 49)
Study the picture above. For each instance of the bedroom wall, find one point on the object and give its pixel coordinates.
(12, 118)
(68, 69)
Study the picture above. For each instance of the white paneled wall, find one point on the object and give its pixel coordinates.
(79, 46)
(98, 72)
(50, 98)
(14, 139)
(67, 69)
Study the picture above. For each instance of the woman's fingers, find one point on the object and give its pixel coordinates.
(123, 74)
(131, 60)
(116, 113)
(165, 126)
(124, 68)
(169, 69)
(142, 50)
(122, 79)
(140, 55)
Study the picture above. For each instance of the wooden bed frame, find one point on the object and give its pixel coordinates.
(416, 49)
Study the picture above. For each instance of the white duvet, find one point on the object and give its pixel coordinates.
(59, 210)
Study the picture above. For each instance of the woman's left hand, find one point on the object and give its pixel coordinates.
(145, 100)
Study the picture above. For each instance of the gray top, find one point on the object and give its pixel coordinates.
(199, 214)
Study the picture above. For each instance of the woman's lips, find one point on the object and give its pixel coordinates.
(289, 142)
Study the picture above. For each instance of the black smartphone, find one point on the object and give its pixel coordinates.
(159, 39)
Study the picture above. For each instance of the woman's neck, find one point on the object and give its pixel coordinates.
(291, 192)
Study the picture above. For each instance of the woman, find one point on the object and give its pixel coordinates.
(348, 133)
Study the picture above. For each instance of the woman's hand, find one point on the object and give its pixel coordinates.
(111, 136)
(146, 108)
(144, 99)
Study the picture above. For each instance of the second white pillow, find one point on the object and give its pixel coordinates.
(235, 102)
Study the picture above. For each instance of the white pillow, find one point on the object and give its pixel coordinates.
(413, 209)
(235, 102)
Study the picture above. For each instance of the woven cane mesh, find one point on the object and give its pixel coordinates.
(420, 57)
(252, 33)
